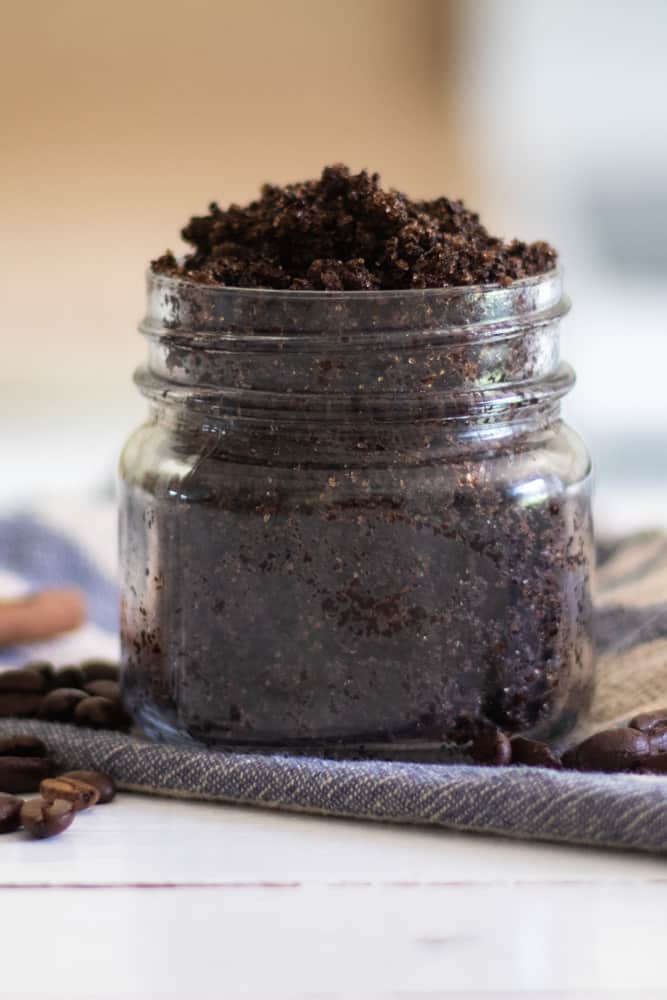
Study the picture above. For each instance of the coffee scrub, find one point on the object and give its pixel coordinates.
(354, 522)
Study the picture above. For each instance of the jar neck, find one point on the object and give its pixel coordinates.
(357, 371)
(380, 444)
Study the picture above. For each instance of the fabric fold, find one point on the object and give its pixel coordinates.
(623, 810)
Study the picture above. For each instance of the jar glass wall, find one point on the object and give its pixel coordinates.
(354, 522)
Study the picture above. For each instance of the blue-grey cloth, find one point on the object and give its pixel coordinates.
(622, 810)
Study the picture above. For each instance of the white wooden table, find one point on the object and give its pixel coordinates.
(159, 898)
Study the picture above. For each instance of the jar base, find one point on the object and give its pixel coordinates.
(155, 726)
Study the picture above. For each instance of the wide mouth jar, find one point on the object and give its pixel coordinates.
(354, 521)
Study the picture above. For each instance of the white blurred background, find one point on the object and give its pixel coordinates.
(120, 121)
(569, 105)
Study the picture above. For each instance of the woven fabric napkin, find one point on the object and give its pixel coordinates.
(605, 810)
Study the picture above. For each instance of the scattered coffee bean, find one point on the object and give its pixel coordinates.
(99, 670)
(100, 713)
(104, 783)
(654, 765)
(43, 667)
(657, 740)
(630, 749)
(23, 774)
(22, 704)
(104, 689)
(58, 705)
(22, 680)
(36, 690)
(80, 794)
(610, 750)
(69, 677)
(22, 745)
(10, 813)
(533, 753)
(569, 759)
(647, 721)
(491, 747)
(43, 819)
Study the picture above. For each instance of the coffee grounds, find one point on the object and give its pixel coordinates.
(343, 232)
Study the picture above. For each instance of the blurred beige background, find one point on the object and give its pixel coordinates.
(121, 120)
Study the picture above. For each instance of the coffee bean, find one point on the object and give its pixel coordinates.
(21, 704)
(569, 759)
(23, 774)
(104, 783)
(58, 705)
(43, 819)
(100, 670)
(654, 765)
(22, 746)
(533, 753)
(43, 667)
(100, 713)
(492, 747)
(69, 677)
(104, 689)
(647, 721)
(610, 750)
(22, 680)
(657, 740)
(80, 794)
(10, 813)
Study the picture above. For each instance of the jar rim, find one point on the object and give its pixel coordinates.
(179, 304)
(302, 295)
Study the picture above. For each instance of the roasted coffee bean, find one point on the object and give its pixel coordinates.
(58, 705)
(43, 667)
(23, 774)
(657, 740)
(10, 813)
(43, 819)
(100, 713)
(533, 753)
(104, 689)
(21, 704)
(22, 680)
(99, 670)
(647, 721)
(81, 795)
(654, 765)
(610, 750)
(22, 745)
(69, 677)
(104, 783)
(492, 747)
(569, 759)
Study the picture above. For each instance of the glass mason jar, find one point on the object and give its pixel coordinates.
(354, 521)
